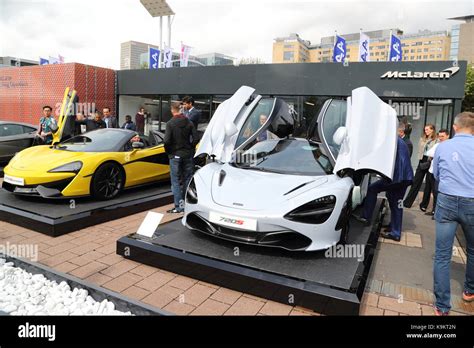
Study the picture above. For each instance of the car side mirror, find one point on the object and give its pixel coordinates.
(339, 135)
(136, 145)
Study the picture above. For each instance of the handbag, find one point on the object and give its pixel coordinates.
(425, 165)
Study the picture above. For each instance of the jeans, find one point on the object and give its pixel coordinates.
(395, 193)
(450, 212)
(181, 172)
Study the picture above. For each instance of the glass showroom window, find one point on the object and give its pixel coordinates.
(311, 107)
(166, 115)
(130, 105)
(203, 104)
(440, 113)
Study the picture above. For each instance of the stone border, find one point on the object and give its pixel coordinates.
(122, 303)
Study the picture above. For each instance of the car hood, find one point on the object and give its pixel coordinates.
(43, 158)
(256, 190)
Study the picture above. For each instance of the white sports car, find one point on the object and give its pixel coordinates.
(264, 187)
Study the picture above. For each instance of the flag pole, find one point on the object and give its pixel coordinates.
(389, 46)
(334, 45)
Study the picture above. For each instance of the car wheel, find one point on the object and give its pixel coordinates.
(107, 182)
(345, 218)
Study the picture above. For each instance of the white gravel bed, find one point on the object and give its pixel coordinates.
(23, 293)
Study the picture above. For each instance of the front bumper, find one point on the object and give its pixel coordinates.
(285, 239)
(48, 190)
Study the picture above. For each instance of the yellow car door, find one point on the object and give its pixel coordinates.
(146, 165)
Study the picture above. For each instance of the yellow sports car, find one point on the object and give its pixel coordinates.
(100, 163)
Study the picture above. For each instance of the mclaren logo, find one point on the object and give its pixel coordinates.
(445, 74)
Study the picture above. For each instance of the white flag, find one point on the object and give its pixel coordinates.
(167, 57)
(184, 56)
(364, 52)
(53, 60)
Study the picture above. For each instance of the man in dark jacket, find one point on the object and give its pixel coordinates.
(180, 142)
(193, 114)
(129, 124)
(395, 189)
(82, 122)
(110, 120)
(402, 134)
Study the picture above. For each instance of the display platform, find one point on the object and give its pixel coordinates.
(61, 216)
(328, 285)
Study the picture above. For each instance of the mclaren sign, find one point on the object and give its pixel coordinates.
(445, 74)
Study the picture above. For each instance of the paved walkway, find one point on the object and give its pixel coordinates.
(395, 287)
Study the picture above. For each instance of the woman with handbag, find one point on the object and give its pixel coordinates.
(427, 141)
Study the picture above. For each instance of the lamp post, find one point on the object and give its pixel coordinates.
(160, 8)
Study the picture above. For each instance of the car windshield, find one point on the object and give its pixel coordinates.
(101, 140)
(285, 156)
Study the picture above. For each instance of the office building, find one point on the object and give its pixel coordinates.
(132, 53)
(422, 46)
(8, 61)
(462, 39)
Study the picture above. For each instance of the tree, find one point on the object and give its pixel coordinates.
(144, 65)
(468, 101)
(250, 60)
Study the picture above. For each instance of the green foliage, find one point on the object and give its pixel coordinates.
(468, 101)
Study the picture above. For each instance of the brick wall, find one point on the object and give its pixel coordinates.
(25, 90)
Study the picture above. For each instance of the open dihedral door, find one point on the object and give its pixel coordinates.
(369, 139)
(220, 136)
(65, 124)
(242, 120)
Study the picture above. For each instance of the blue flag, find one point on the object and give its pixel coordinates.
(395, 49)
(339, 50)
(154, 62)
(44, 61)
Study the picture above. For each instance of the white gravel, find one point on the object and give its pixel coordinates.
(23, 293)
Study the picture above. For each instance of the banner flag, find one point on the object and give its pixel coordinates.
(395, 49)
(364, 52)
(167, 57)
(154, 61)
(339, 53)
(184, 56)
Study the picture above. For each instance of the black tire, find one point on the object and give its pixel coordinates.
(107, 181)
(347, 211)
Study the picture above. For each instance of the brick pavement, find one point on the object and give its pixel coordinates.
(90, 254)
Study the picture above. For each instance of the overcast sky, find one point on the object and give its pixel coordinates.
(90, 31)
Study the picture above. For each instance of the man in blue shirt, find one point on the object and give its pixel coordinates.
(453, 168)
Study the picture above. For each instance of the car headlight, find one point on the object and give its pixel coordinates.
(314, 212)
(73, 167)
(191, 193)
